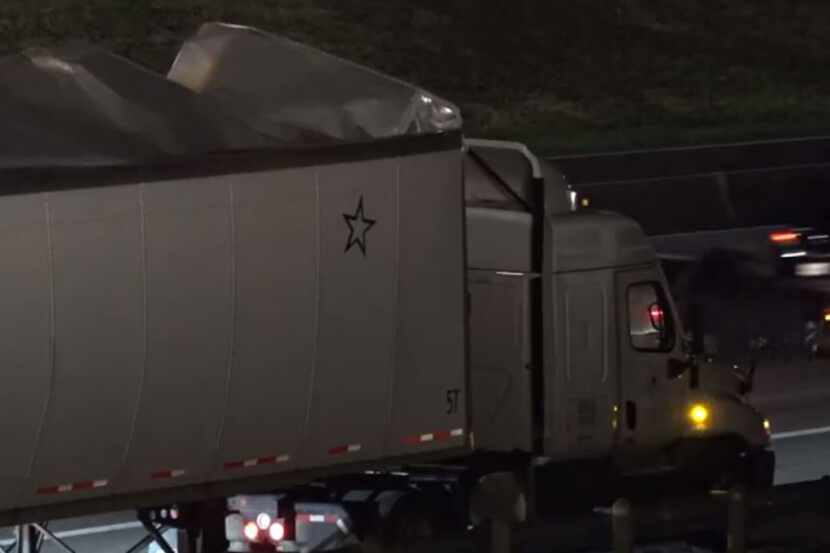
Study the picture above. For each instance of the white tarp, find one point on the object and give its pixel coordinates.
(231, 88)
(294, 92)
(82, 105)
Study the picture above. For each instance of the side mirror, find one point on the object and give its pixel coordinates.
(675, 368)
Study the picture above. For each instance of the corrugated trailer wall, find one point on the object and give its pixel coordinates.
(175, 332)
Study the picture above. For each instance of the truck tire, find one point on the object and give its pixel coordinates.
(412, 521)
(713, 463)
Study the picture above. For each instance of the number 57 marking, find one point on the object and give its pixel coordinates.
(452, 400)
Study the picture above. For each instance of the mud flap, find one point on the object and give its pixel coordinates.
(760, 469)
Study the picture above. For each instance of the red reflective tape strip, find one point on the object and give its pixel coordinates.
(168, 473)
(349, 448)
(440, 435)
(84, 485)
(248, 463)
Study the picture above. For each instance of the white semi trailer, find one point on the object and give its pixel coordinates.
(298, 347)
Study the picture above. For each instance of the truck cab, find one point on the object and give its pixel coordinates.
(575, 345)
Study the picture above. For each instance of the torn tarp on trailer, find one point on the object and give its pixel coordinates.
(294, 92)
(81, 105)
(230, 88)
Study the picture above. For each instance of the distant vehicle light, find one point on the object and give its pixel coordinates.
(827, 317)
(263, 520)
(812, 269)
(782, 237)
(768, 427)
(251, 531)
(798, 253)
(699, 415)
(277, 531)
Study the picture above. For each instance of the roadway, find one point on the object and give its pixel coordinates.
(795, 395)
(110, 533)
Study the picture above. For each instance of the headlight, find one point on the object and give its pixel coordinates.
(699, 416)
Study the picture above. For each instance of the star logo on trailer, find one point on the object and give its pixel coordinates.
(359, 225)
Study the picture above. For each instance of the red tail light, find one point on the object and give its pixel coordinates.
(251, 531)
(277, 531)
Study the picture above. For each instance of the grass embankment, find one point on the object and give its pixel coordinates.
(565, 76)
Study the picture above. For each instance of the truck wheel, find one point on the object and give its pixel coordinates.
(410, 523)
(711, 464)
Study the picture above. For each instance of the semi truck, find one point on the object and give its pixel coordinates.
(576, 356)
(353, 341)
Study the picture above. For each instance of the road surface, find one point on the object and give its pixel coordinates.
(110, 533)
(796, 397)
(802, 457)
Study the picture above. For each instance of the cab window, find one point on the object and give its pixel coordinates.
(649, 318)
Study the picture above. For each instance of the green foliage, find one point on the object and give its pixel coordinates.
(566, 75)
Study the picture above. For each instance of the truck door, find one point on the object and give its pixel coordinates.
(647, 338)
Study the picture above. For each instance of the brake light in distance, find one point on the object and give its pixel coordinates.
(657, 316)
(782, 237)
